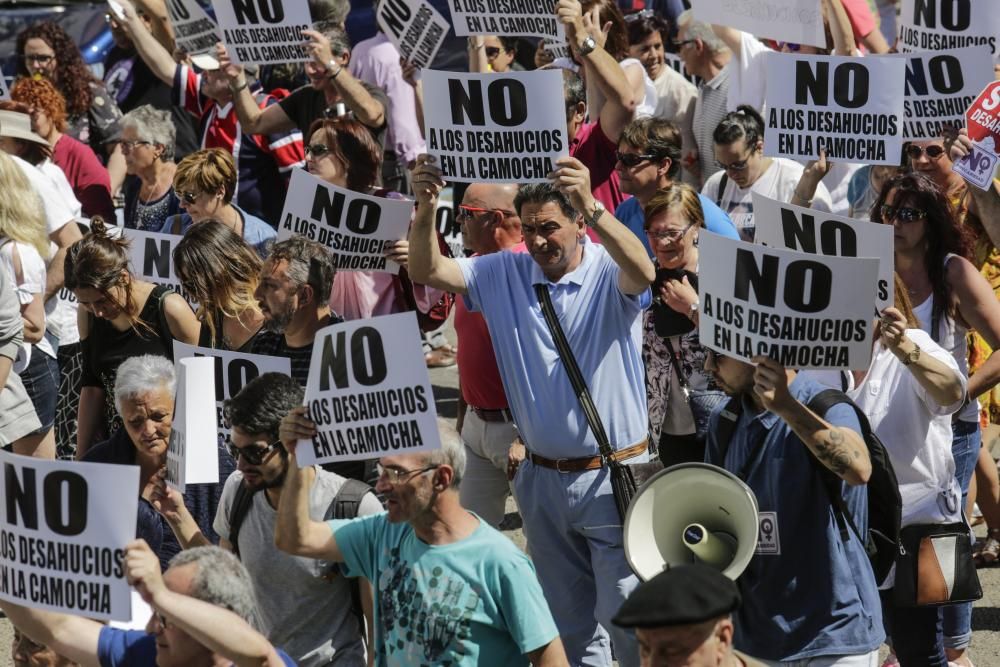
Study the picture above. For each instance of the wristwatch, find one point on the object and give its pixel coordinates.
(693, 310)
(588, 46)
(595, 214)
(911, 356)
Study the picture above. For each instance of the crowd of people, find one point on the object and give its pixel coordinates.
(400, 561)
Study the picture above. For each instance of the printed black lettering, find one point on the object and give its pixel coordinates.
(508, 102)
(764, 281)
(808, 285)
(178, 12)
(850, 84)
(256, 11)
(21, 496)
(945, 75)
(955, 15)
(395, 14)
(239, 373)
(156, 256)
(368, 356)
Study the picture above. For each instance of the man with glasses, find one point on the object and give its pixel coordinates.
(450, 590)
(307, 607)
(489, 225)
(649, 160)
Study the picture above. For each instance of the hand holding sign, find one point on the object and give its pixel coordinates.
(399, 252)
(166, 500)
(318, 47)
(295, 426)
(427, 181)
(142, 570)
(893, 328)
(232, 70)
(770, 384)
(572, 178)
(679, 295)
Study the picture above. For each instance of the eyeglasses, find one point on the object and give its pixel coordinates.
(492, 51)
(901, 213)
(681, 43)
(468, 212)
(791, 46)
(162, 620)
(317, 150)
(641, 14)
(634, 159)
(40, 58)
(130, 145)
(916, 152)
(252, 455)
(398, 476)
(670, 235)
(189, 197)
(739, 165)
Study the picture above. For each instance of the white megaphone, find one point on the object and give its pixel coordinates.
(693, 512)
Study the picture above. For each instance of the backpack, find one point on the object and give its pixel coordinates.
(344, 505)
(884, 503)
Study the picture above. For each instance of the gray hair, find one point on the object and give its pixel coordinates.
(340, 43)
(142, 375)
(694, 29)
(330, 11)
(154, 125)
(221, 580)
(452, 452)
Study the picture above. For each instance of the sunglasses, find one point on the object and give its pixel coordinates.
(634, 159)
(252, 455)
(791, 46)
(468, 212)
(681, 43)
(933, 151)
(901, 213)
(189, 197)
(492, 51)
(130, 145)
(317, 150)
(734, 166)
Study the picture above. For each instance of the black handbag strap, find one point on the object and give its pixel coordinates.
(675, 362)
(573, 370)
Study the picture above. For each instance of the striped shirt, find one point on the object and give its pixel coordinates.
(709, 110)
(263, 162)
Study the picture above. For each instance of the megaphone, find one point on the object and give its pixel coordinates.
(692, 512)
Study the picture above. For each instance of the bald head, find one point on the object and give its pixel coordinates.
(490, 223)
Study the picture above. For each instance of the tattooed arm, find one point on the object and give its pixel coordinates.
(839, 448)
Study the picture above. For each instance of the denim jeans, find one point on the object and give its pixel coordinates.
(966, 439)
(41, 381)
(916, 633)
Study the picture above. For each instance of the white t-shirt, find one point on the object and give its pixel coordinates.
(32, 282)
(748, 77)
(646, 107)
(675, 101)
(57, 211)
(58, 178)
(778, 182)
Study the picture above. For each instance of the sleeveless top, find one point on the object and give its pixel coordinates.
(951, 335)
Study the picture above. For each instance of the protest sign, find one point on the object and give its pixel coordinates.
(940, 87)
(939, 25)
(194, 30)
(264, 32)
(983, 116)
(495, 128)
(980, 165)
(796, 21)
(415, 27)
(803, 311)
(446, 220)
(368, 392)
(511, 18)
(232, 371)
(849, 107)
(557, 49)
(63, 533)
(357, 228)
(151, 256)
(791, 227)
(192, 451)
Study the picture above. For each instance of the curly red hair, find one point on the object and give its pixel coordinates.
(41, 94)
(72, 76)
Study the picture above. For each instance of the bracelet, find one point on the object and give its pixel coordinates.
(808, 202)
(240, 87)
(335, 74)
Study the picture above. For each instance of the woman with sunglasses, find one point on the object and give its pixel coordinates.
(120, 317)
(205, 182)
(144, 396)
(492, 53)
(148, 144)
(932, 251)
(680, 394)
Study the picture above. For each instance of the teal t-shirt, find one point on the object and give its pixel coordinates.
(472, 602)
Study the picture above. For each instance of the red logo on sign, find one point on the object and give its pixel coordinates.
(983, 117)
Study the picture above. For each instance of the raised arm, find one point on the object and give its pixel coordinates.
(478, 62)
(295, 532)
(732, 38)
(159, 22)
(427, 265)
(253, 119)
(72, 637)
(840, 27)
(169, 503)
(944, 384)
(987, 201)
(152, 51)
(637, 271)
(356, 97)
(840, 449)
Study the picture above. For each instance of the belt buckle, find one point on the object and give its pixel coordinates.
(559, 463)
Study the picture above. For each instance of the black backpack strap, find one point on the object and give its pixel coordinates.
(345, 505)
(242, 502)
(723, 182)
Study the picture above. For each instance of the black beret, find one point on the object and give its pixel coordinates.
(682, 595)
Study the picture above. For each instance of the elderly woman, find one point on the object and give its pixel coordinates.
(205, 181)
(144, 397)
(148, 136)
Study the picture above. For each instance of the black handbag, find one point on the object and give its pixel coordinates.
(622, 482)
(935, 566)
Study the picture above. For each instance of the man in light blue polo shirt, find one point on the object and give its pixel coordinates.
(598, 293)
(649, 159)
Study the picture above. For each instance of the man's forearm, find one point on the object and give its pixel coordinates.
(839, 449)
(246, 107)
(424, 251)
(187, 531)
(54, 274)
(291, 527)
(356, 97)
(152, 51)
(626, 250)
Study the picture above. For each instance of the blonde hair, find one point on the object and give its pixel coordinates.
(678, 196)
(208, 171)
(22, 216)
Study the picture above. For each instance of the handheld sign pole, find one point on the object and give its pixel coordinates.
(192, 453)
(369, 392)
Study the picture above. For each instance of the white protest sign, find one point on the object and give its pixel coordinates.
(940, 87)
(445, 218)
(511, 18)
(791, 227)
(415, 27)
(368, 392)
(495, 128)
(557, 49)
(357, 228)
(192, 451)
(264, 32)
(151, 255)
(979, 166)
(63, 531)
(939, 25)
(117, 10)
(194, 30)
(803, 311)
(232, 371)
(796, 21)
(850, 107)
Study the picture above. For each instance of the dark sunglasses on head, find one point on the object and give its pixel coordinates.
(252, 455)
(317, 150)
(933, 151)
(641, 14)
(902, 213)
(492, 51)
(634, 159)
